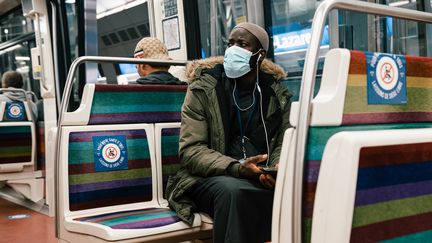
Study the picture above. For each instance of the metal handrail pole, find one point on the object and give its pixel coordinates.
(308, 84)
(65, 103)
(96, 59)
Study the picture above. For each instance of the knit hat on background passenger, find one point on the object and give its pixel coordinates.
(257, 31)
(150, 47)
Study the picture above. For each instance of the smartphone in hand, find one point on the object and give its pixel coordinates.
(269, 170)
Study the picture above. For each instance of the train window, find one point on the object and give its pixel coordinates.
(290, 29)
(17, 57)
(72, 29)
(385, 34)
(14, 25)
(217, 18)
(16, 40)
(127, 68)
(120, 25)
(123, 28)
(290, 21)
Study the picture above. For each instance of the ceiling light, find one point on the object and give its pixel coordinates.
(397, 4)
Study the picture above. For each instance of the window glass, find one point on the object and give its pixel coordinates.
(72, 28)
(126, 68)
(16, 40)
(17, 58)
(291, 20)
(216, 20)
(112, 28)
(364, 32)
(290, 28)
(14, 25)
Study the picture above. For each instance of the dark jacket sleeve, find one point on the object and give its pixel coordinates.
(195, 149)
(285, 103)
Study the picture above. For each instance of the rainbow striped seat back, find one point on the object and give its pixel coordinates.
(135, 106)
(109, 168)
(417, 104)
(360, 110)
(16, 137)
(40, 138)
(126, 104)
(15, 144)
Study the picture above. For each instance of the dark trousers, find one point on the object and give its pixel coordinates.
(241, 209)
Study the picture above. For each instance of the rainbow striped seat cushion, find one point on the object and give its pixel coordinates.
(134, 219)
(394, 194)
(126, 104)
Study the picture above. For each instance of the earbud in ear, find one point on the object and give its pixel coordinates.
(258, 59)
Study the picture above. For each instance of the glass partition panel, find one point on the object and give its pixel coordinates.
(290, 21)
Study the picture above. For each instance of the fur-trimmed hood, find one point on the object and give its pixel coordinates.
(267, 66)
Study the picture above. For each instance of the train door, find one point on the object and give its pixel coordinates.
(26, 48)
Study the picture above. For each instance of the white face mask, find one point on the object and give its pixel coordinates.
(236, 61)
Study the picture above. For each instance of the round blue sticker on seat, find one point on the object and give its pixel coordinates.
(386, 78)
(110, 153)
(14, 111)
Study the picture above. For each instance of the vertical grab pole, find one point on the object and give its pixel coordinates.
(306, 93)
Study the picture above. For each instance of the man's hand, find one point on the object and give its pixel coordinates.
(249, 168)
(267, 181)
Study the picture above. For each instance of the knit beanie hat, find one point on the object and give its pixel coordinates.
(257, 31)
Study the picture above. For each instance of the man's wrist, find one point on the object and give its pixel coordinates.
(233, 169)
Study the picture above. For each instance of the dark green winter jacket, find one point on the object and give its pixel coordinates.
(159, 77)
(202, 136)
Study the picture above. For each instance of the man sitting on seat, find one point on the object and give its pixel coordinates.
(234, 117)
(153, 48)
(13, 80)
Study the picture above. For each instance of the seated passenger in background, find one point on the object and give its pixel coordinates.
(153, 48)
(233, 121)
(13, 80)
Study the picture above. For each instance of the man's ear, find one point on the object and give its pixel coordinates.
(262, 55)
(142, 69)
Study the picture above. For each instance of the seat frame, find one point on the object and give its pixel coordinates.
(105, 232)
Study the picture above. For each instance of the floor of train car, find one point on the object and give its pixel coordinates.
(38, 228)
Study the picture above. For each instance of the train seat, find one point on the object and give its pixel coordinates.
(111, 183)
(387, 196)
(18, 150)
(128, 104)
(345, 104)
(17, 135)
(375, 186)
(40, 150)
(167, 144)
(168, 163)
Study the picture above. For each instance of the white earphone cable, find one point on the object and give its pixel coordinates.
(262, 115)
(235, 101)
